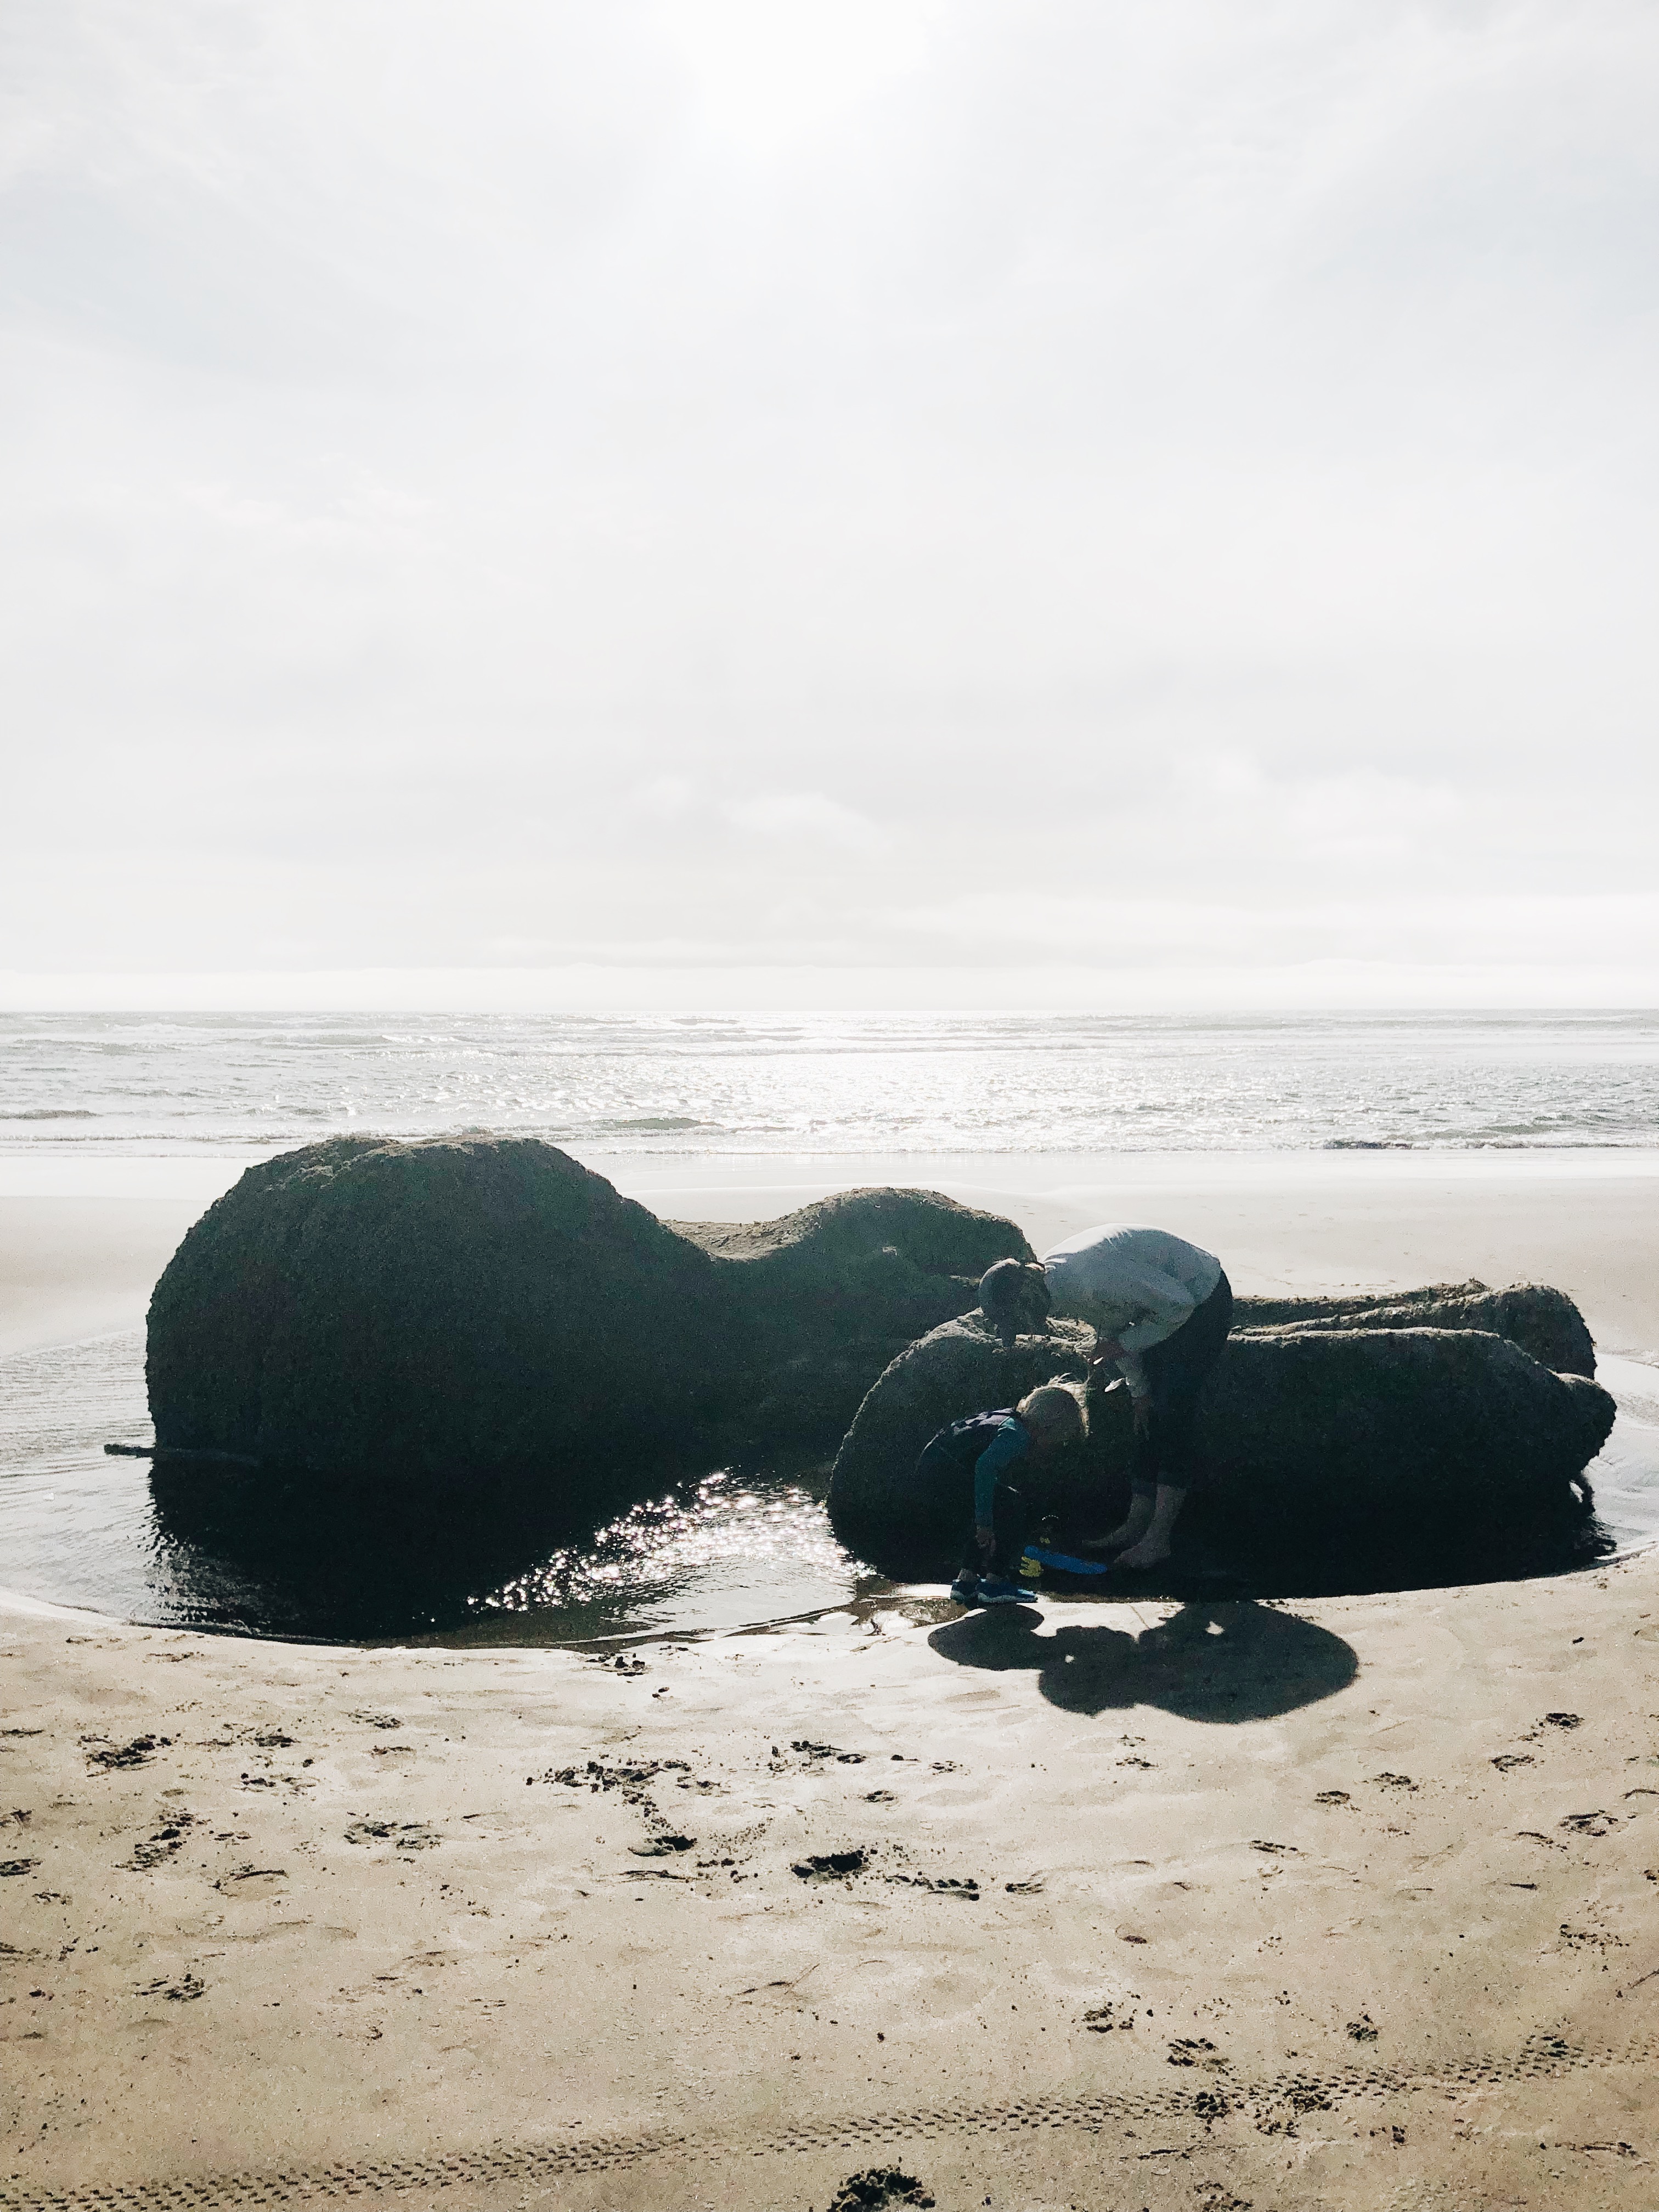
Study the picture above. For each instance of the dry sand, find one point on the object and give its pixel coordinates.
(1351, 1903)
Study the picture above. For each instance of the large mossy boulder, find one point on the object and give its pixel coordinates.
(446, 1310)
(1357, 1429)
(1542, 1320)
(429, 1307)
(818, 1302)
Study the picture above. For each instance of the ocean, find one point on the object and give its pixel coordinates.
(834, 1085)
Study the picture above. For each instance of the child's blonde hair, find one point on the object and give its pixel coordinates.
(1057, 1407)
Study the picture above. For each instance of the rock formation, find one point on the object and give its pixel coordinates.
(456, 1309)
(440, 1315)
(816, 1304)
(1357, 1428)
(1542, 1320)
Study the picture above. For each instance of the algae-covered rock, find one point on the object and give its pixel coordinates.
(1323, 1428)
(457, 1308)
(447, 1307)
(1437, 1420)
(818, 1302)
(1542, 1320)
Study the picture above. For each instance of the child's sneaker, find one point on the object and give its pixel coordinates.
(994, 1591)
(966, 1589)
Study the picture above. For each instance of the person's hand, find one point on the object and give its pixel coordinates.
(1143, 1413)
(987, 1540)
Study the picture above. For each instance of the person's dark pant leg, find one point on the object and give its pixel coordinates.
(1009, 1519)
(1008, 1523)
(941, 1475)
(1177, 1369)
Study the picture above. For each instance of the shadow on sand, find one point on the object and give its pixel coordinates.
(1228, 1661)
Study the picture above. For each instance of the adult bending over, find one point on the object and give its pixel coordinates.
(1160, 1309)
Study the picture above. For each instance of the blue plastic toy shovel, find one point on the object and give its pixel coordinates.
(1064, 1560)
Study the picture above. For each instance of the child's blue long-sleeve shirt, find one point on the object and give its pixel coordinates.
(1007, 1448)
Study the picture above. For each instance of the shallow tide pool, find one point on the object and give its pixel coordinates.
(729, 1549)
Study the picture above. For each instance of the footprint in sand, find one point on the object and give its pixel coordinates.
(156, 1849)
(184, 1990)
(113, 1756)
(404, 1835)
(940, 1885)
(1589, 1824)
(1195, 2050)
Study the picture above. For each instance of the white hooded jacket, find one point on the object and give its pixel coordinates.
(1137, 1286)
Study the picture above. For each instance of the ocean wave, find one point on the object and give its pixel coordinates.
(50, 1114)
(662, 1122)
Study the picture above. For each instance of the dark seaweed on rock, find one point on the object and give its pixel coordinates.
(455, 1310)
(1542, 1320)
(819, 1301)
(435, 1308)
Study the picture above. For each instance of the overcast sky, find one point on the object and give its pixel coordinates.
(894, 501)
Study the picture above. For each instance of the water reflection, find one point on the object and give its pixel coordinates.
(182, 1546)
(705, 1556)
(719, 1549)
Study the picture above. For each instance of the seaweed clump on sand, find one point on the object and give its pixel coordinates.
(877, 2187)
(1352, 1429)
(457, 1311)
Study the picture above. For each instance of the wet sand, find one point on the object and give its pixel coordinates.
(73, 1267)
(1351, 1902)
(82, 1239)
(1588, 1222)
(1354, 1902)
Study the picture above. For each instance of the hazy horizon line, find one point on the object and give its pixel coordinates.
(1330, 987)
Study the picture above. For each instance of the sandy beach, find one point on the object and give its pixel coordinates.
(1353, 1902)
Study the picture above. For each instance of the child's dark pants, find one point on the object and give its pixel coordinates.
(1007, 1514)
